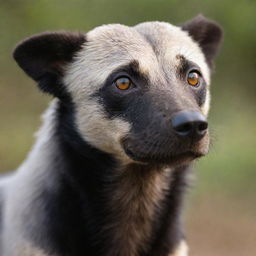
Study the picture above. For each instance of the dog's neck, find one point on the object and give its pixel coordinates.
(99, 205)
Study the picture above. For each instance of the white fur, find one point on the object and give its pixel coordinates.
(182, 250)
(25, 184)
(206, 106)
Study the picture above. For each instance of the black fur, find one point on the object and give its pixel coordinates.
(76, 207)
(168, 228)
(185, 67)
(73, 197)
(44, 56)
(207, 33)
(76, 211)
(152, 137)
(115, 101)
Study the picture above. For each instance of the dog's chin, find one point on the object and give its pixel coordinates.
(172, 160)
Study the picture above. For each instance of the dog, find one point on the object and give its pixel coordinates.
(108, 171)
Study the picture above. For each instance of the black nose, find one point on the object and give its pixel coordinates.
(189, 123)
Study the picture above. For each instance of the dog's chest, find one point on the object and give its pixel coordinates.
(134, 205)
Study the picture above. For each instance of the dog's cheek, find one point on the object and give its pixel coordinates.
(98, 130)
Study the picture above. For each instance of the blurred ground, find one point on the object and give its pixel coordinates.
(218, 226)
(221, 214)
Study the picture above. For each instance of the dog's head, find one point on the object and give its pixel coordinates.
(140, 93)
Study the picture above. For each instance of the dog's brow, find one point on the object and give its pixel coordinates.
(184, 65)
(133, 69)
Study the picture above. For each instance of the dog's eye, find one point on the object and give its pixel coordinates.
(123, 83)
(193, 78)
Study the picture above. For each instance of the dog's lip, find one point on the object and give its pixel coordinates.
(168, 159)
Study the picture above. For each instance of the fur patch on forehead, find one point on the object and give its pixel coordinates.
(168, 41)
(107, 48)
(154, 45)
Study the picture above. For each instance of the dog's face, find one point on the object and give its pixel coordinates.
(140, 93)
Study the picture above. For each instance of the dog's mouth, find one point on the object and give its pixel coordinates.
(167, 151)
(166, 159)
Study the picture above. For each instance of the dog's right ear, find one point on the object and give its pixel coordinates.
(44, 56)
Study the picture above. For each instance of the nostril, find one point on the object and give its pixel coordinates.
(183, 129)
(202, 127)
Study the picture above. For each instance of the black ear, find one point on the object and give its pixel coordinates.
(43, 57)
(207, 33)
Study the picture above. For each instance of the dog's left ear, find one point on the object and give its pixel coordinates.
(207, 33)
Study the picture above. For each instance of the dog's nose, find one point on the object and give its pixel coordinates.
(189, 124)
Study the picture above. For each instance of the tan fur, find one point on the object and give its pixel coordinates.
(137, 196)
(169, 41)
(182, 250)
(99, 130)
(154, 45)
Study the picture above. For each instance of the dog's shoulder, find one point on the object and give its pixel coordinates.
(10, 226)
(4, 180)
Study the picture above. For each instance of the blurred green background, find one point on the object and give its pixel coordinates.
(221, 213)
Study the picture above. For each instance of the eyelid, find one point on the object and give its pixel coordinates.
(121, 75)
(196, 70)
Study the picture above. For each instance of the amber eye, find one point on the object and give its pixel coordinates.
(123, 83)
(193, 78)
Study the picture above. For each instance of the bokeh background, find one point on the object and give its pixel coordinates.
(221, 210)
